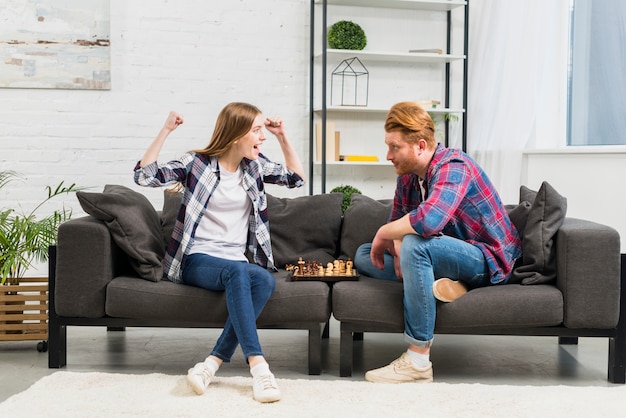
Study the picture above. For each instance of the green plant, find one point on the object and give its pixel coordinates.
(347, 195)
(23, 237)
(440, 118)
(346, 35)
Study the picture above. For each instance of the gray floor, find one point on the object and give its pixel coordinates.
(456, 359)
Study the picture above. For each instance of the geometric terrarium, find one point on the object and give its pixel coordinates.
(350, 83)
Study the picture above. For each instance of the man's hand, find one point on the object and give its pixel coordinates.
(377, 253)
(396, 258)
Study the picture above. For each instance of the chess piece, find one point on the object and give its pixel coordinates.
(301, 266)
(329, 269)
(349, 265)
(320, 270)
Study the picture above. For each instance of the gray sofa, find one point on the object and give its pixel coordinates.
(572, 289)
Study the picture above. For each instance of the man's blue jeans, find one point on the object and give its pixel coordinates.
(247, 286)
(423, 260)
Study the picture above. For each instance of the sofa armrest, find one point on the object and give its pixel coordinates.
(588, 274)
(87, 260)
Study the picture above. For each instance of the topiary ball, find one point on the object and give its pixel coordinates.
(347, 191)
(346, 35)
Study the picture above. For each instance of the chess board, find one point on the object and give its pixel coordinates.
(313, 271)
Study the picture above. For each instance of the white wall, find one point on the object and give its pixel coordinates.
(189, 56)
(589, 177)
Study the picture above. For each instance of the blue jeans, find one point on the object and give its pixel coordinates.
(423, 260)
(247, 286)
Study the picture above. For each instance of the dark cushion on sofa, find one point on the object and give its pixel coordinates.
(545, 216)
(305, 226)
(171, 205)
(134, 225)
(361, 221)
(378, 305)
(291, 302)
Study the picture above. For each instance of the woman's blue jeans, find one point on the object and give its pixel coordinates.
(247, 286)
(423, 260)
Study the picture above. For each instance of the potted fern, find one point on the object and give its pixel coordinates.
(24, 239)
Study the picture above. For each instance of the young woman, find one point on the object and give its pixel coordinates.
(221, 224)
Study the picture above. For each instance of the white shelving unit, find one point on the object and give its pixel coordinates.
(393, 28)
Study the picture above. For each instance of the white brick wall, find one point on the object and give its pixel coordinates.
(189, 56)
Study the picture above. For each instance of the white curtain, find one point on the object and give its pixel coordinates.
(517, 84)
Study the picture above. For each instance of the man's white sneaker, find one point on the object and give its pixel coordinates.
(199, 377)
(265, 388)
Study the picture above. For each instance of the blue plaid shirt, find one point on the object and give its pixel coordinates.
(460, 202)
(200, 175)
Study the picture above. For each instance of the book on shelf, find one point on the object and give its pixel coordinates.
(360, 158)
(427, 51)
(332, 142)
(429, 104)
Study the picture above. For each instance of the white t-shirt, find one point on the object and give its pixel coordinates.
(223, 230)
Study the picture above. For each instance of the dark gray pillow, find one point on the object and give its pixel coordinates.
(545, 217)
(361, 221)
(171, 206)
(305, 226)
(519, 215)
(134, 225)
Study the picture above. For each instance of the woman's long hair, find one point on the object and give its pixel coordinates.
(234, 121)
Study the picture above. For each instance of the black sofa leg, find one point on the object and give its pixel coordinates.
(315, 350)
(617, 344)
(116, 328)
(57, 333)
(568, 340)
(345, 353)
(57, 346)
(326, 332)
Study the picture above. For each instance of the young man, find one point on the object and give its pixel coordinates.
(448, 232)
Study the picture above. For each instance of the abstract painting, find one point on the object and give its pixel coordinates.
(55, 44)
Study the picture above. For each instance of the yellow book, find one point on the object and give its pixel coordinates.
(362, 158)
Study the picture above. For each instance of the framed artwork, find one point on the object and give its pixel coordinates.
(55, 44)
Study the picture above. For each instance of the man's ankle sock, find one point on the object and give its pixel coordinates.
(419, 360)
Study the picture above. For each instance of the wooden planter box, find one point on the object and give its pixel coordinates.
(24, 310)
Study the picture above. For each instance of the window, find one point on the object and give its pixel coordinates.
(597, 73)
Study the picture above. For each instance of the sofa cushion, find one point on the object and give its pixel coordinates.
(134, 225)
(361, 221)
(305, 226)
(171, 205)
(519, 215)
(377, 305)
(545, 216)
(291, 302)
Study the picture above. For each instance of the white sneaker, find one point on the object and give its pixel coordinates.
(265, 388)
(199, 377)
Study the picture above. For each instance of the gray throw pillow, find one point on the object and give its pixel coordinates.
(305, 226)
(545, 217)
(134, 226)
(171, 206)
(361, 221)
(519, 215)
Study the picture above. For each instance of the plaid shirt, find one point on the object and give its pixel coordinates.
(462, 203)
(200, 175)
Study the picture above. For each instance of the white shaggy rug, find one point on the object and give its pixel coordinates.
(70, 394)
